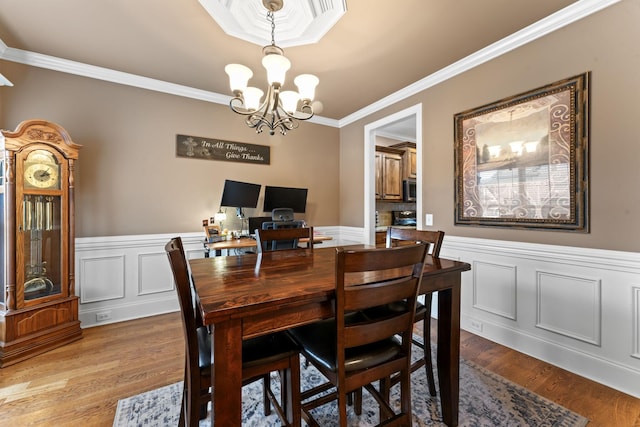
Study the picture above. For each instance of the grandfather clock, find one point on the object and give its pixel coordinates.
(38, 305)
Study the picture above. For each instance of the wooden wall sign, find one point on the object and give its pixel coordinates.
(196, 147)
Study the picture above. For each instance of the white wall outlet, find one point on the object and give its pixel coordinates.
(476, 325)
(428, 219)
(103, 315)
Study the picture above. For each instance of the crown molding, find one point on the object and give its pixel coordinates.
(85, 70)
(100, 73)
(553, 22)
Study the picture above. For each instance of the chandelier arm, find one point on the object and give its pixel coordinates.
(256, 122)
(253, 120)
(236, 109)
(303, 114)
(273, 98)
(236, 105)
(307, 109)
(287, 122)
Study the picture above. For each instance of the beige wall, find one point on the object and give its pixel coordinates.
(605, 44)
(131, 182)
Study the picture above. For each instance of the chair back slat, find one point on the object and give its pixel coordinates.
(386, 292)
(273, 239)
(405, 236)
(370, 332)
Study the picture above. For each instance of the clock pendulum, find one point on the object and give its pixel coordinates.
(37, 217)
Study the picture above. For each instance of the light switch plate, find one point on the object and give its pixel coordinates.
(428, 219)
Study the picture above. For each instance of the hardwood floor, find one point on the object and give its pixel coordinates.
(80, 384)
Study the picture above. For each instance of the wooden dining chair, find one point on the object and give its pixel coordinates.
(404, 236)
(283, 238)
(260, 356)
(352, 350)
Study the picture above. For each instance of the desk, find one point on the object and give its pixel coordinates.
(248, 243)
(250, 295)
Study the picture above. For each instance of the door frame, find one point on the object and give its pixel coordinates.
(370, 131)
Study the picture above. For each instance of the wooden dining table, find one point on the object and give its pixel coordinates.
(249, 295)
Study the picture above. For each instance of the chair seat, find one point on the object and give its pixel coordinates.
(267, 348)
(255, 351)
(314, 338)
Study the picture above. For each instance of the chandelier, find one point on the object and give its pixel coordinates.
(279, 109)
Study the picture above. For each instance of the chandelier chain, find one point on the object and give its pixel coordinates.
(271, 17)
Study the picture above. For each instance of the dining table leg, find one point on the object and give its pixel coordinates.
(226, 382)
(448, 357)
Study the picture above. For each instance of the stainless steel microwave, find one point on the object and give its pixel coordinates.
(409, 190)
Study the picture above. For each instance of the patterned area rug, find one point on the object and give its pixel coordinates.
(486, 399)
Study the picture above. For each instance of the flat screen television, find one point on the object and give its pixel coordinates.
(240, 194)
(285, 197)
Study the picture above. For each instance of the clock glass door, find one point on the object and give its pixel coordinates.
(41, 233)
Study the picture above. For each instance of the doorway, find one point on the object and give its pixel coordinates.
(403, 122)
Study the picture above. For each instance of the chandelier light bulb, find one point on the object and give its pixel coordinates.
(252, 97)
(239, 76)
(276, 66)
(306, 86)
(289, 101)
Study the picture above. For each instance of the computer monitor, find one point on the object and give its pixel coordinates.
(285, 197)
(257, 221)
(240, 195)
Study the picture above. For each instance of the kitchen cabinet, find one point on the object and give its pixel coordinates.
(409, 159)
(388, 162)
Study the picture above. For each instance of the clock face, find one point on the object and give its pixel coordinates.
(41, 175)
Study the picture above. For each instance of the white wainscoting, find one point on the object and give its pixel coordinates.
(576, 308)
(127, 277)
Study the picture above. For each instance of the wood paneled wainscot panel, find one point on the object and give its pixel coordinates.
(494, 288)
(102, 277)
(569, 305)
